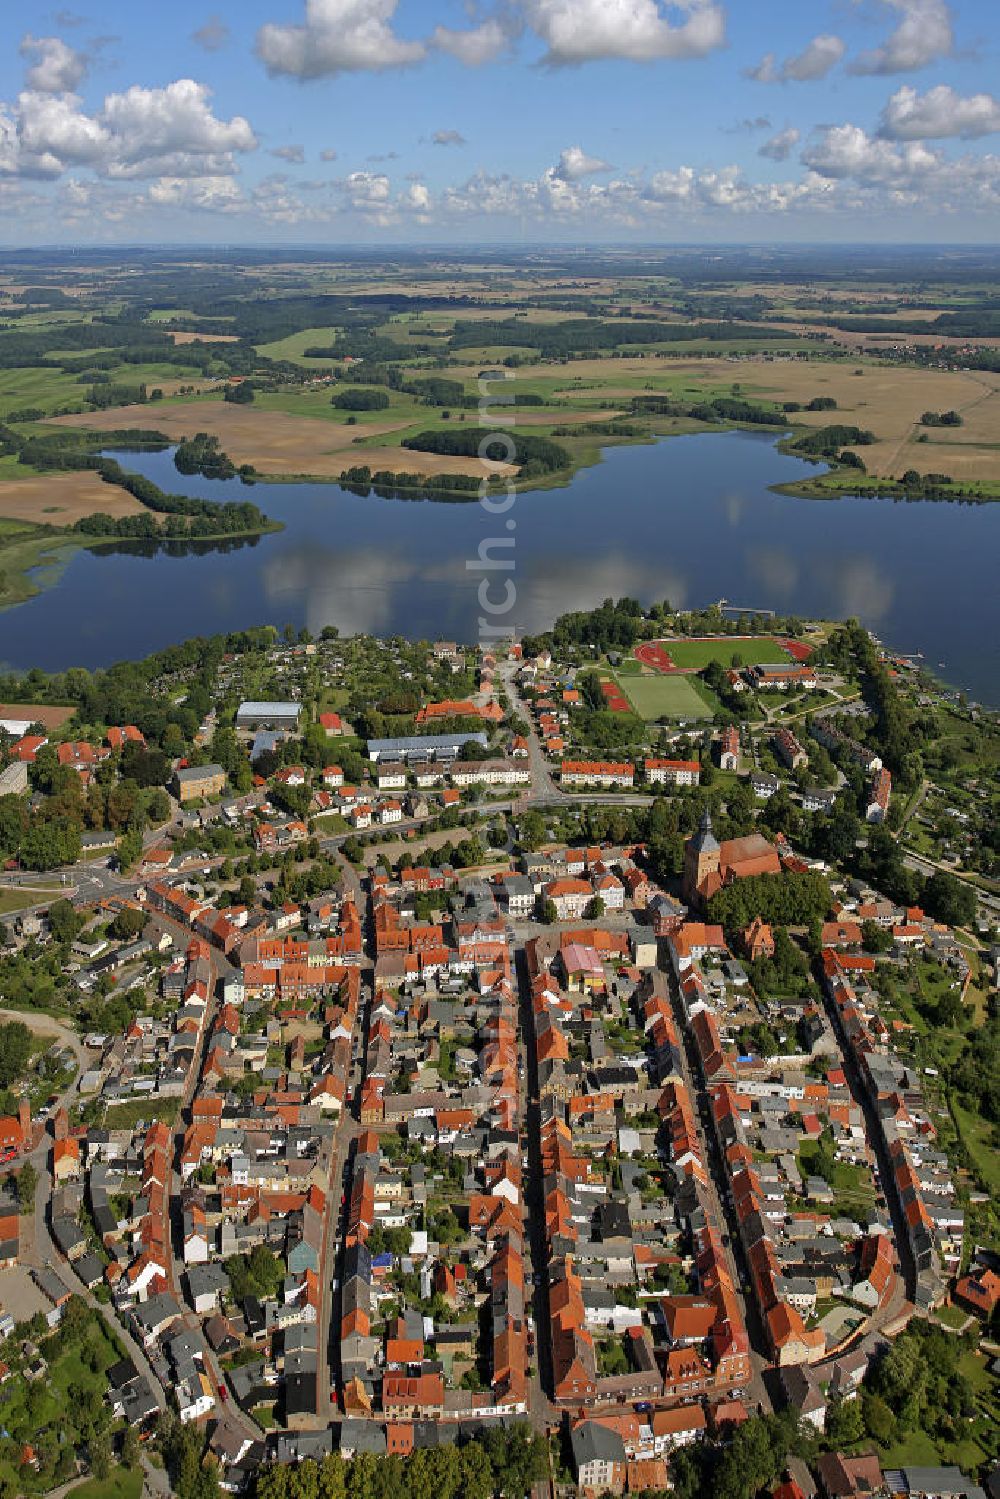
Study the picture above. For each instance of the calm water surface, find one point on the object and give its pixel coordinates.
(690, 519)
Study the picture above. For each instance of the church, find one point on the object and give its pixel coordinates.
(710, 865)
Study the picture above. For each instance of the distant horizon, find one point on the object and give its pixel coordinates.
(581, 247)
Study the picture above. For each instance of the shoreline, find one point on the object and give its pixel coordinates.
(587, 450)
(53, 552)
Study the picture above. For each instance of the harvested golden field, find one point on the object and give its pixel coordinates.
(43, 713)
(890, 401)
(552, 416)
(62, 499)
(203, 338)
(874, 341)
(407, 461)
(276, 442)
(886, 399)
(939, 456)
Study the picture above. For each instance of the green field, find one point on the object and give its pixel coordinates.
(666, 697)
(757, 650)
(294, 346)
(45, 390)
(151, 374)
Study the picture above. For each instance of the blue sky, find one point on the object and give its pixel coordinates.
(338, 121)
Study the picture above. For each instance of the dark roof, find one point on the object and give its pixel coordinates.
(704, 840)
(593, 1442)
(300, 1393)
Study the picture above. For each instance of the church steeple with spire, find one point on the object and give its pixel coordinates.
(701, 857)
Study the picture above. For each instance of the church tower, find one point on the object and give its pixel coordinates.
(701, 858)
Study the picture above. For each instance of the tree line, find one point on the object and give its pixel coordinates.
(503, 1460)
(578, 336)
(201, 517)
(534, 455)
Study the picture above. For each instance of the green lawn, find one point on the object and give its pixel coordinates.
(121, 1483)
(22, 897)
(665, 697)
(916, 1450)
(332, 699)
(329, 824)
(977, 1136)
(126, 1115)
(852, 1186)
(952, 1316)
(700, 653)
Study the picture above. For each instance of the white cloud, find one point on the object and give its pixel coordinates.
(337, 36)
(367, 188)
(779, 147)
(575, 164)
(213, 36)
(55, 67)
(52, 132)
(814, 61)
(848, 151)
(417, 199)
(480, 44)
(870, 178)
(923, 34)
(854, 175)
(765, 71)
(328, 154)
(577, 31)
(672, 187)
(176, 121)
(725, 189)
(939, 113)
(200, 194)
(139, 133)
(448, 138)
(294, 154)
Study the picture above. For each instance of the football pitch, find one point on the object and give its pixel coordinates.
(697, 654)
(665, 697)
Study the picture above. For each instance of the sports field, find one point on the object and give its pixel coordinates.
(695, 655)
(665, 697)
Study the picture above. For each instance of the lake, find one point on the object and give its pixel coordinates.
(689, 519)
